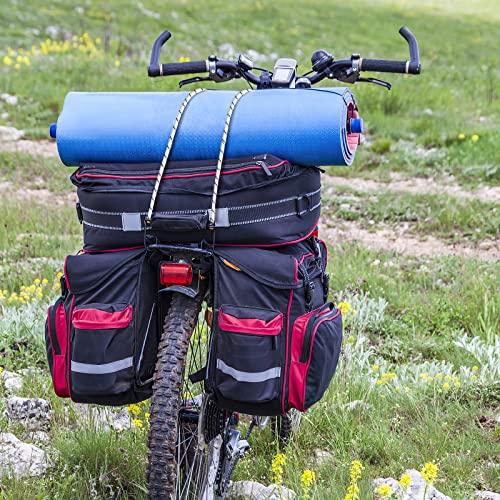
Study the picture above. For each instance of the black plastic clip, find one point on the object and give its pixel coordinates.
(303, 204)
(79, 212)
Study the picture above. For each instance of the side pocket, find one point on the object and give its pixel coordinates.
(56, 339)
(248, 362)
(316, 342)
(102, 349)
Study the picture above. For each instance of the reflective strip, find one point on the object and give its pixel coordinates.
(248, 376)
(115, 366)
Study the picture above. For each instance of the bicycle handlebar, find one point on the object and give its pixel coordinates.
(345, 70)
(385, 66)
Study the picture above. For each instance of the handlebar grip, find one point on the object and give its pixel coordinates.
(183, 68)
(383, 65)
(157, 45)
(414, 65)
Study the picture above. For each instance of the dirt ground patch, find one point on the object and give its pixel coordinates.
(11, 141)
(39, 195)
(445, 185)
(389, 239)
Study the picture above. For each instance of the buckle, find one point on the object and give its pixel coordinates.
(303, 204)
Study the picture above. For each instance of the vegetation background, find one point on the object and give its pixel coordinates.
(419, 378)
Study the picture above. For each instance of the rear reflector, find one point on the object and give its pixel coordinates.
(175, 273)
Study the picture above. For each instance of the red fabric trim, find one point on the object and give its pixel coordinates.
(328, 318)
(304, 256)
(67, 359)
(113, 250)
(95, 319)
(254, 326)
(59, 360)
(298, 370)
(59, 376)
(187, 176)
(285, 379)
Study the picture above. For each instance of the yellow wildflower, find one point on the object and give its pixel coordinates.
(446, 385)
(147, 415)
(354, 474)
(137, 422)
(423, 376)
(306, 481)
(474, 377)
(7, 61)
(117, 63)
(277, 468)
(475, 138)
(375, 368)
(345, 307)
(461, 136)
(134, 409)
(384, 491)
(379, 382)
(439, 375)
(405, 480)
(429, 472)
(430, 379)
(448, 378)
(475, 368)
(45, 281)
(10, 51)
(1, 369)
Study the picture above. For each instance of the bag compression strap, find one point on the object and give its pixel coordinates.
(212, 212)
(167, 152)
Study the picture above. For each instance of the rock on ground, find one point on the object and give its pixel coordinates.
(416, 489)
(10, 134)
(20, 458)
(487, 495)
(251, 490)
(13, 382)
(104, 417)
(33, 412)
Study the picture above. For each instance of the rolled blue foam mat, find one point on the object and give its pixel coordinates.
(304, 126)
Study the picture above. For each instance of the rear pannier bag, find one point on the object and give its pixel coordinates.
(102, 333)
(280, 349)
(262, 200)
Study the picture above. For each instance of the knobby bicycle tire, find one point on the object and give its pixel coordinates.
(164, 457)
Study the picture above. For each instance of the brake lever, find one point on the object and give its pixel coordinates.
(382, 83)
(195, 79)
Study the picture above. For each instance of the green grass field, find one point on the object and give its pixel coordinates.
(419, 377)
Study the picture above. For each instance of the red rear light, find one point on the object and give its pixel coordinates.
(175, 273)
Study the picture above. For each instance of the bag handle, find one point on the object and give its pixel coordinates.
(234, 102)
(167, 152)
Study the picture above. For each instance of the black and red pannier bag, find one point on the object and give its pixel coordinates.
(261, 201)
(102, 333)
(276, 339)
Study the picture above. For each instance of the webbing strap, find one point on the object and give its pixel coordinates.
(167, 151)
(234, 102)
(293, 206)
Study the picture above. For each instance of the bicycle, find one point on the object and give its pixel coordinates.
(194, 445)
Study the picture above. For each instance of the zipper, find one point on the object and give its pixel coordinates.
(152, 174)
(311, 327)
(309, 287)
(52, 326)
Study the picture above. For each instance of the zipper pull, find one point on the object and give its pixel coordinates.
(274, 343)
(264, 166)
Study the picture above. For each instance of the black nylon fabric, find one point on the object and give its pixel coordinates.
(111, 363)
(257, 191)
(258, 358)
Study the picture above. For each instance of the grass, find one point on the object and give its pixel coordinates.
(448, 217)
(415, 317)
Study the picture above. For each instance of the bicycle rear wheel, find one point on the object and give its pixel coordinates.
(186, 429)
